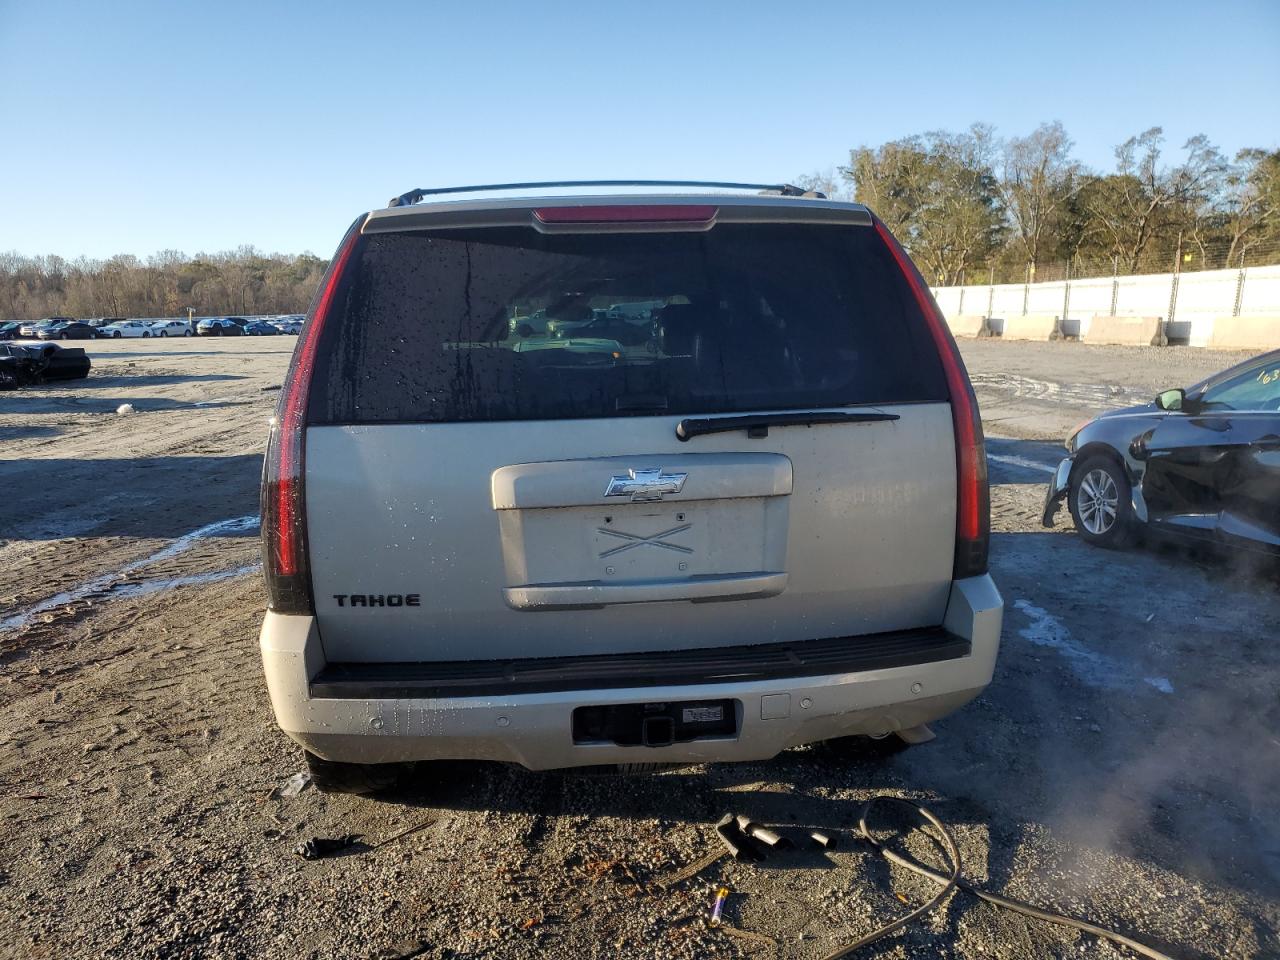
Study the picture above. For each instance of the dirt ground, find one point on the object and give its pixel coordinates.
(1123, 766)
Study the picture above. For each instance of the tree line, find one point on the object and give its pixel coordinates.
(242, 281)
(971, 207)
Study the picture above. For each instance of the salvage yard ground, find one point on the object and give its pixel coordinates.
(1124, 765)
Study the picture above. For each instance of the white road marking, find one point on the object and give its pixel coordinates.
(111, 580)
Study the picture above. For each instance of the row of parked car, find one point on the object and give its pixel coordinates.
(246, 327)
(66, 328)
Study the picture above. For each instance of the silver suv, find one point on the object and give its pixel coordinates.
(727, 494)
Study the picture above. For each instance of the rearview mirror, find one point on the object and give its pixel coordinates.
(1171, 400)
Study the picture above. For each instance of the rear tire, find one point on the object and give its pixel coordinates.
(362, 779)
(1101, 502)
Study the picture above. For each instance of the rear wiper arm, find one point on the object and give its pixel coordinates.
(757, 424)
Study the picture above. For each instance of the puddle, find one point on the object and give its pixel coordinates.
(1096, 669)
(108, 586)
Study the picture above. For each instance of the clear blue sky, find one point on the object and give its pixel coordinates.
(132, 127)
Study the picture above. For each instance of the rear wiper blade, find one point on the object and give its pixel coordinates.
(757, 424)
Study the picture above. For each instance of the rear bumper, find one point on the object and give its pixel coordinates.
(534, 729)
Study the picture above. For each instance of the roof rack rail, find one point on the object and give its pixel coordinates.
(785, 189)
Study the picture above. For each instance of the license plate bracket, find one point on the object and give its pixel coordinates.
(658, 724)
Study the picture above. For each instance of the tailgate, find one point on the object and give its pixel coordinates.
(505, 536)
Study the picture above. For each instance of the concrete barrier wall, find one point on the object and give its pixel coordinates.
(1260, 292)
(1006, 299)
(1126, 331)
(967, 324)
(1046, 298)
(1091, 298)
(1191, 304)
(1031, 326)
(951, 300)
(1255, 332)
(1148, 296)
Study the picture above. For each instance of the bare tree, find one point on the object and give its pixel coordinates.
(827, 182)
(243, 281)
(1040, 178)
(1142, 196)
(1250, 202)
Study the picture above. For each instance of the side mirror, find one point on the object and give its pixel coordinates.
(1171, 400)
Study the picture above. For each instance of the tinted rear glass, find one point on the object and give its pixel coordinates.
(513, 324)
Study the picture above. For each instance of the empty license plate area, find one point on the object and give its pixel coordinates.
(589, 523)
(655, 724)
(643, 543)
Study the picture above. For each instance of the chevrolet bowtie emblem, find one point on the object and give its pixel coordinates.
(646, 484)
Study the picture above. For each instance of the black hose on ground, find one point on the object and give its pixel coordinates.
(948, 883)
(953, 881)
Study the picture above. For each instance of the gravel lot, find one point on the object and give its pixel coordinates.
(1124, 765)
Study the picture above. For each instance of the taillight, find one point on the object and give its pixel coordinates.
(628, 213)
(284, 519)
(973, 504)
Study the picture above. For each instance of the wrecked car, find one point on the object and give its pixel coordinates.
(25, 364)
(1201, 462)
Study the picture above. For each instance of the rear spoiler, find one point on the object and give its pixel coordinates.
(523, 212)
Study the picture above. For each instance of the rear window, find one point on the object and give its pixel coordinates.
(512, 324)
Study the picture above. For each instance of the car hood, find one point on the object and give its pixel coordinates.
(1110, 425)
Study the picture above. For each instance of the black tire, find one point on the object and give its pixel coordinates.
(64, 337)
(115, 334)
(1101, 502)
(146, 334)
(362, 779)
(164, 333)
(186, 333)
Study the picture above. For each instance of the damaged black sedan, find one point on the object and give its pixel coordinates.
(25, 364)
(1201, 462)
